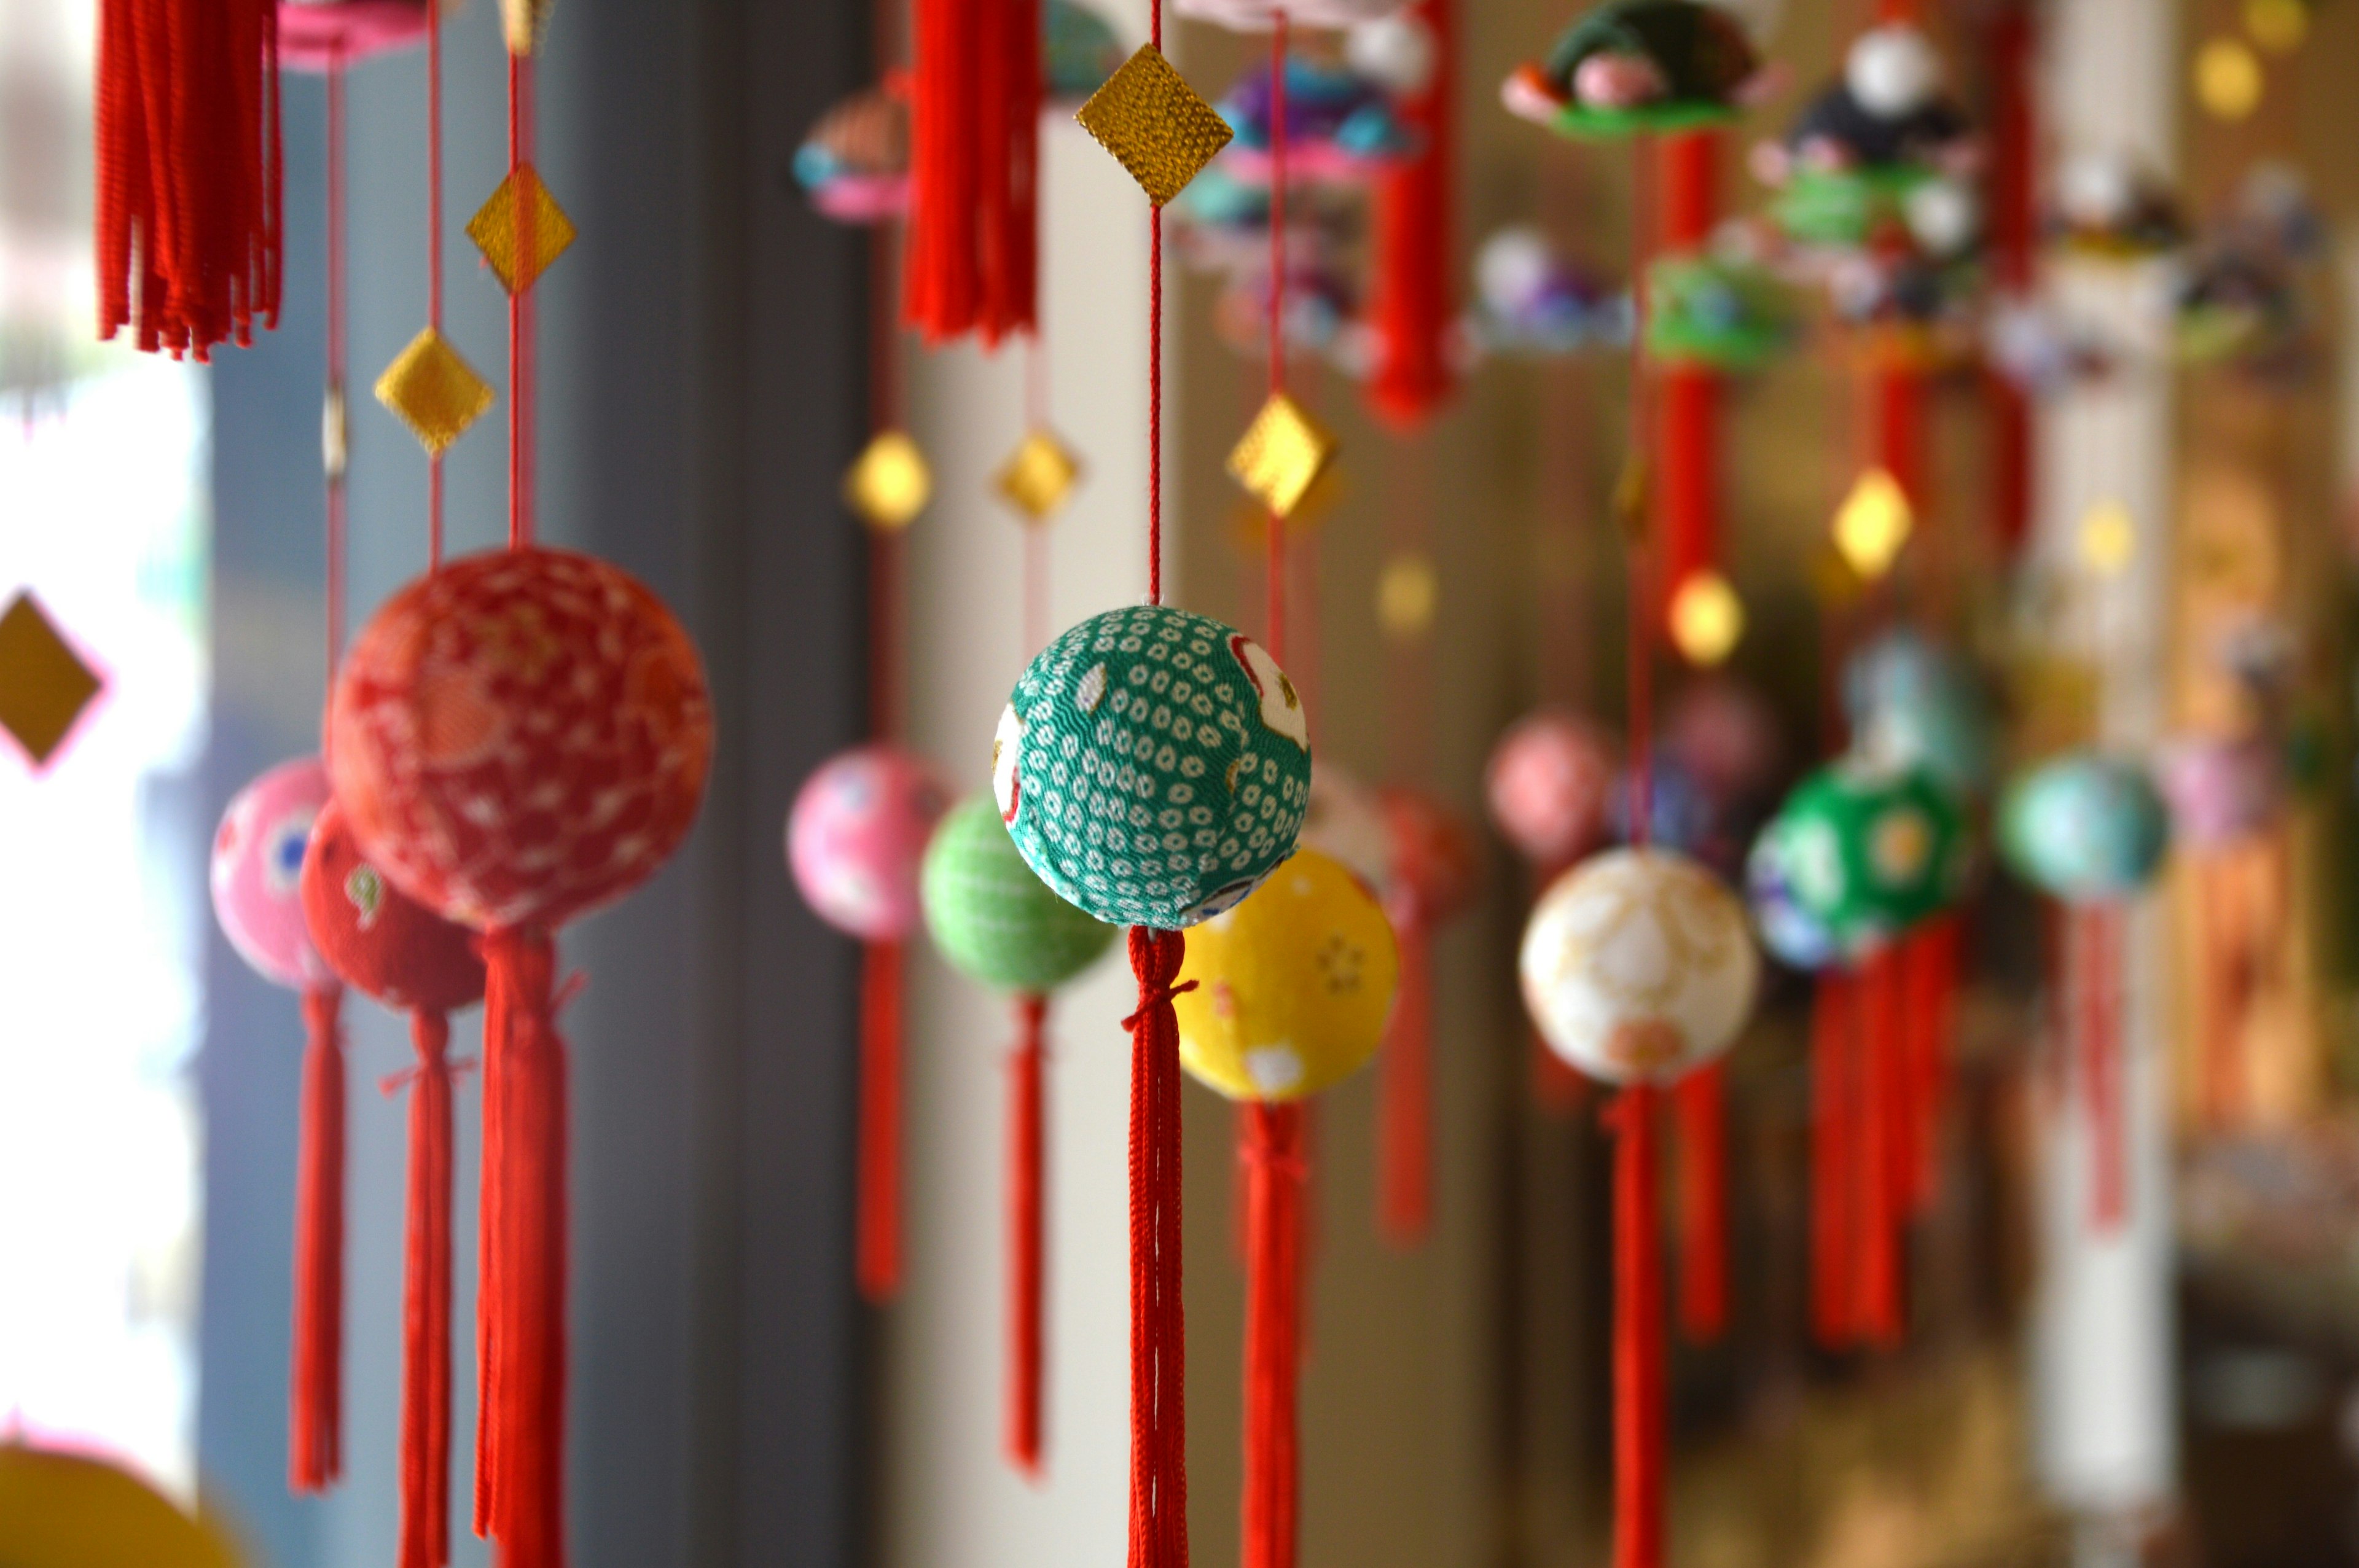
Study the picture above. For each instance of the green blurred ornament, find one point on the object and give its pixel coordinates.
(1868, 851)
(992, 918)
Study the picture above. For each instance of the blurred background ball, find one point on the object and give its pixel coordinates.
(2084, 827)
(1345, 823)
(1153, 766)
(2222, 792)
(856, 840)
(1548, 785)
(1869, 852)
(1636, 966)
(1914, 703)
(1435, 869)
(257, 873)
(1794, 936)
(1292, 985)
(992, 919)
(377, 938)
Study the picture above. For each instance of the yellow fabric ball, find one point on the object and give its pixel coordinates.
(65, 1510)
(1292, 985)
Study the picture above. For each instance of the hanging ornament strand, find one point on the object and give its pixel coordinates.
(434, 504)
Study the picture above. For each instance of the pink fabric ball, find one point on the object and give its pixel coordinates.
(2222, 791)
(1548, 784)
(257, 873)
(857, 836)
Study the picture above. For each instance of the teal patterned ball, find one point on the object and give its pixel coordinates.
(1153, 766)
(2084, 827)
(992, 918)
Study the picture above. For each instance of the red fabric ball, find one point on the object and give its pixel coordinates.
(520, 737)
(1549, 781)
(377, 938)
(1435, 871)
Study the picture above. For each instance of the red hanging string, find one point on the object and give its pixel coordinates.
(1928, 960)
(1640, 546)
(1276, 1167)
(189, 162)
(1699, 1101)
(434, 258)
(1411, 307)
(1159, 1422)
(1027, 1246)
(1639, 1374)
(878, 1263)
(1405, 1088)
(332, 416)
(1881, 1163)
(425, 1537)
(315, 1456)
(1835, 1185)
(1687, 473)
(2096, 964)
(2014, 236)
(1279, 134)
(521, 424)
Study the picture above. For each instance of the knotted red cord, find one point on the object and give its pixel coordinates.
(878, 1265)
(425, 1539)
(1639, 1374)
(315, 1447)
(1159, 1421)
(1027, 1244)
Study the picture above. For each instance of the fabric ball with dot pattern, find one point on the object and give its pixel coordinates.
(1869, 852)
(258, 869)
(857, 836)
(1153, 766)
(1292, 986)
(992, 918)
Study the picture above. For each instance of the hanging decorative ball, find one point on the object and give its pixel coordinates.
(1346, 823)
(322, 34)
(2083, 828)
(377, 938)
(1914, 704)
(1434, 867)
(1680, 814)
(1398, 50)
(1153, 766)
(1795, 937)
(1548, 784)
(1292, 985)
(854, 164)
(2222, 792)
(1869, 852)
(1257, 15)
(1079, 51)
(521, 737)
(73, 1510)
(990, 917)
(257, 870)
(1340, 124)
(1628, 66)
(1892, 71)
(1727, 736)
(856, 840)
(1636, 966)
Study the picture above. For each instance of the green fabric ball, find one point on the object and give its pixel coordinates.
(1153, 766)
(1701, 50)
(1869, 851)
(992, 918)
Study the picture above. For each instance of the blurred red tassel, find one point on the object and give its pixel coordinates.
(315, 1438)
(2094, 955)
(878, 1228)
(1882, 1162)
(975, 136)
(1405, 1093)
(1275, 1162)
(1640, 1389)
(425, 1537)
(1411, 305)
(1833, 1162)
(1158, 1418)
(1026, 1140)
(1700, 1103)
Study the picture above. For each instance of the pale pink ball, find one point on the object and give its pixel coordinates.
(1727, 736)
(257, 873)
(857, 836)
(1548, 784)
(2221, 791)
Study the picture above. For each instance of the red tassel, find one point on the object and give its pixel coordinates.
(1882, 1165)
(187, 164)
(1026, 1137)
(1639, 1377)
(1699, 1102)
(521, 1458)
(2095, 979)
(975, 129)
(1689, 482)
(315, 1434)
(1930, 967)
(1411, 307)
(1405, 1093)
(425, 1540)
(1276, 1161)
(1158, 1419)
(1899, 432)
(878, 1240)
(1833, 1160)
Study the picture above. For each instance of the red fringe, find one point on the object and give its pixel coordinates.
(520, 1454)
(1700, 1103)
(1689, 400)
(1026, 1137)
(1158, 1419)
(1276, 1161)
(188, 232)
(1882, 1160)
(1640, 1386)
(2095, 955)
(877, 1263)
(1929, 961)
(425, 1540)
(315, 1424)
(1411, 307)
(1404, 1094)
(1834, 1294)
(974, 126)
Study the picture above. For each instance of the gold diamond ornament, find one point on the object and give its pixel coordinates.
(1038, 476)
(1706, 619)
(1155, 125)
(437, 393)
(44, 685)
(2108, 538)
(889, 483)
(1281, 455)
(496, 229)
(1871, 525)
(521, 22)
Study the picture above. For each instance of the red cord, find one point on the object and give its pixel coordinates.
(1880, 1159)
(425, 1537)
(315, 1459)
(1274, 587)
(1026, 1241)
(2098, 974)
(1155, 392)
(1405, 1091)
(1275, 1162)
(1640, 1390)
(1641, 652)
(878, 1264)
(1833, 1162)
(336, 368)
(434, 504)
(1159, 1423)
(522, 430)
(1699, 1103)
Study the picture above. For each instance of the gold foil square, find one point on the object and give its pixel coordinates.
(495, 227)
(44, 685)
(1155, 123)
(1281, 455)
(435, 392)
(1038, 476)
(521, 22)
(889, 483)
